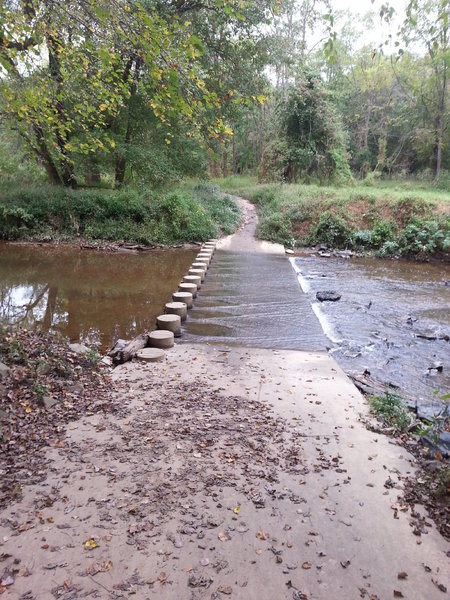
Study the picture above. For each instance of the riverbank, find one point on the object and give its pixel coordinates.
(112, 219)
(389, 220)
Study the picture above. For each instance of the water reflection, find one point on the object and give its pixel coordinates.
(89, 296)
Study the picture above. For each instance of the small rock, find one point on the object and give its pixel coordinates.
(78, 348)
(328, 296)
(4, 370)
(49, 401)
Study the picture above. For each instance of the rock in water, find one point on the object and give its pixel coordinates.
(328, 296)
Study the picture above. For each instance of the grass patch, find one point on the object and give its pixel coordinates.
(182, 215)
(391, 411)
(389, 218)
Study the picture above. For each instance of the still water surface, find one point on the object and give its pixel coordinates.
(89, 296)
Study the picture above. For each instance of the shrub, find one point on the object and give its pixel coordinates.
(331, 230)
(391, 410)
(276, 228)
(127, 215)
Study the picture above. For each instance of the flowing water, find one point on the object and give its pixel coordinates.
(393, 319)
(89, 296)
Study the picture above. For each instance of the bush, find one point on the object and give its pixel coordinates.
(275, 228)
(426, 237)
(331, 230)
(391, 411)
(57, 213)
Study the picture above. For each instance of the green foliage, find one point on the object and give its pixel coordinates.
(275, 228)
(383, 219)
(127, 215)
(425, 237)
(391, 411)
(331, 230)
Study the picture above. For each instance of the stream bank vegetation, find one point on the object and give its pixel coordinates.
(121, 102)
(389, 218)
(49, 213)
(431, 487)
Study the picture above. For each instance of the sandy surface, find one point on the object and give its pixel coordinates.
(224, 472)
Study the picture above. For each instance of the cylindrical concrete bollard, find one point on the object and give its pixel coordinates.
(204, 256)
(193, 279)
(200, 264)
(177, 308)
(198, 272)
(150, 354)
(188, 287)
(169, 323)
(185, 297)
(161, 339)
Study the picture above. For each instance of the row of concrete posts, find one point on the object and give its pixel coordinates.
(169, 323)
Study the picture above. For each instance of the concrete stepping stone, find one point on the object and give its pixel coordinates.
(185, 297)
(151, 354)
(169, 323)
(177, 308)
(161, 339)
(193, 279)
(198, 272)
(188, 287)
(200, 264)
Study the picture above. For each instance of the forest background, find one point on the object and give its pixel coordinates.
(111, 113)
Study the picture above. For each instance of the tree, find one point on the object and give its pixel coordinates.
(426, 23)
(72, 71)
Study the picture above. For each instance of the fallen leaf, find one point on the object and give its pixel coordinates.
(306, 565)
(261, 535)
(223, 536)
(90, 544)
(398, 594)
(225, 590)
(237, 510)
(402, 575)
(440, 586)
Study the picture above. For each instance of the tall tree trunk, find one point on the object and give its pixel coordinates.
(92, 174)
(43, 152)
(440, 126)
(121, 162)
(234, 155)
(367, 124)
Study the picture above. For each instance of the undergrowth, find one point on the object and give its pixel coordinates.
(50, 213)
(387, 219)
(391, 411)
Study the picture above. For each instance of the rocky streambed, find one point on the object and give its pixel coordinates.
(388, 325)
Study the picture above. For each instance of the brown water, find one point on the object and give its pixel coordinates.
(89, 296)
(385, 309)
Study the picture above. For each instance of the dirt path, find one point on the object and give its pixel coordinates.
(224, 472)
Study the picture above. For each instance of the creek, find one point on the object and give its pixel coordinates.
(393, 318)
(89, 296)
(392, 321)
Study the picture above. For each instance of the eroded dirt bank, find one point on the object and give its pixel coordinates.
(224, 472)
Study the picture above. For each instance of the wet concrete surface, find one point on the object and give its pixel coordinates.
(253, 300)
